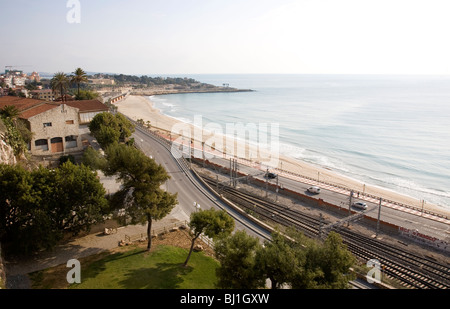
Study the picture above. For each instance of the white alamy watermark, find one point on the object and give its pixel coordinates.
(253, 141)
(73, 275)
(374, 274)
(74, 14)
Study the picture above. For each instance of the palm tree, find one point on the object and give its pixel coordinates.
(78, 77)
(10, 111)
(59, 83)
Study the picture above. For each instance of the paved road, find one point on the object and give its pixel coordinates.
(190, 192)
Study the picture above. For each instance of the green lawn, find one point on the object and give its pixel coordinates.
(137, 269)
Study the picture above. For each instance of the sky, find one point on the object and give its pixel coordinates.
(157, 37)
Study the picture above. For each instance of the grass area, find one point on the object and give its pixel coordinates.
(135, 268)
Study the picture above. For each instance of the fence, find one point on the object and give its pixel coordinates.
(155, 232)
(164, 230)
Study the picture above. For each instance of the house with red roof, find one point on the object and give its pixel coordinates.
(55, 125)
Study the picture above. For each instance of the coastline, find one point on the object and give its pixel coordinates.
(156, 91)
(141, 107)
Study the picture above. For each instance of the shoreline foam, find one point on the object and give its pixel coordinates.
(139, 107)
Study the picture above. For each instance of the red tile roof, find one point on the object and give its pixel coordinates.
(32, 107)
(37, 110)
(21, 103)
(88, 106)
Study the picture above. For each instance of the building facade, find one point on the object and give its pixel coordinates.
(55, 129)
(43, 94)
(55, 125)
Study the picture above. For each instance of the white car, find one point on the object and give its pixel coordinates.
(360, 205)
(314, 189)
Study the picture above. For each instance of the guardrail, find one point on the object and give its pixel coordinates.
(164, 230)
(155, 232)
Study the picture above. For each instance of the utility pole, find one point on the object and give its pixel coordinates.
(190, 154)
(378, 220)
(267, 181)
(349, 206)
(235, 172)
(231, 173)
(276, 196)
(203, 153)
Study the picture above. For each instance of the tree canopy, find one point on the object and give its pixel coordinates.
(37, 207)
(86, 95)
(108, 128)
(78, 77)
(213, 223)
(277, 260)
(298, 261)
(141, 177)
(59, 83)
(236, 255)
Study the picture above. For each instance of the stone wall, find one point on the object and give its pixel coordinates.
(58, 123)
(6, 151)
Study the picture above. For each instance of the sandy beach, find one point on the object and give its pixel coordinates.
(140, 107)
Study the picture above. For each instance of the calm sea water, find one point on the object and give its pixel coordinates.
(389, 131)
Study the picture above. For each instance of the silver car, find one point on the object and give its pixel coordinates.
(314, 189)
(360, 205)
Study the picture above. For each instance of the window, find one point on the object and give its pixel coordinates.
(69, 122)
(47, 124)
(71, 138)
(41, 142)
(71, 141)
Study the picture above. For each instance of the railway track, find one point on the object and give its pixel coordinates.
(272, 211)
(411, 270)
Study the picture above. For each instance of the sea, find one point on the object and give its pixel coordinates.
(391, 131)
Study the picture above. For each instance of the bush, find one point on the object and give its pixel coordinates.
(94, 159)
(64, 159)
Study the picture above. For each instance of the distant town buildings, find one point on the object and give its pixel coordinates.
(43, 94)
(35, 77)
(102, 81)
(16, 80)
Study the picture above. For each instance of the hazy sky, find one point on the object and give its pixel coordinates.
(228, 36)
